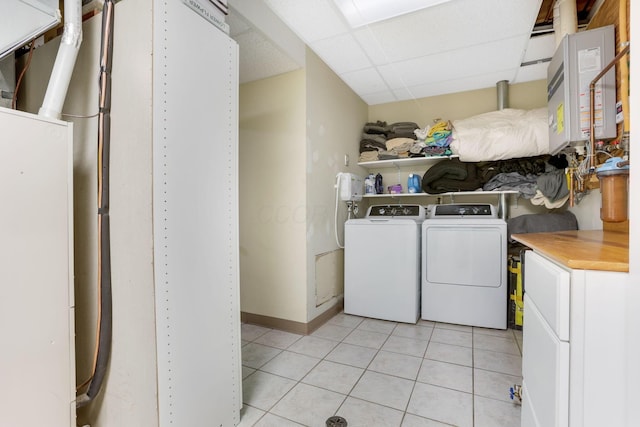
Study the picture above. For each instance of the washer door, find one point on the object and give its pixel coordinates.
(470, 255)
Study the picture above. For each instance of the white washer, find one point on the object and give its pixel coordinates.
(382, 263)
(464, 265)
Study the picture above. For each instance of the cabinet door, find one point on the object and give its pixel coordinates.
(545, 371)
(549, 286)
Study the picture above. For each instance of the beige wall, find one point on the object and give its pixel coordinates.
(335, 115)
(128, 397)
(459, 105)
(273, 197)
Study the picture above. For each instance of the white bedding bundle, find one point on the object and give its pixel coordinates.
(500, 135)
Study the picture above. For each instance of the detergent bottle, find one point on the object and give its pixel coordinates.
(413, 183)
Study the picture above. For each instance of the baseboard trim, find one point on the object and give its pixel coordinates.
(291, 325)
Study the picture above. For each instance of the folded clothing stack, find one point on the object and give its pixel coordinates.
(385, 142)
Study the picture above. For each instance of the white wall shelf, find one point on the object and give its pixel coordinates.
(448, 194)
(398, 163)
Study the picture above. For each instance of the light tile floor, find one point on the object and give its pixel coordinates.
(377, 373)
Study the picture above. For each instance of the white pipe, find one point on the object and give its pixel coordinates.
(65, 60)
(565, 19)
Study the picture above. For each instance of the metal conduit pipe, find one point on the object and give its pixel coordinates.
(592, 89)
(104, 241)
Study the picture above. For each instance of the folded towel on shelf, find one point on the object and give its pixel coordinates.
(449, 176)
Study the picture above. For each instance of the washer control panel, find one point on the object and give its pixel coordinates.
(397, 211)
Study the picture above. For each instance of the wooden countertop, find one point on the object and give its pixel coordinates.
(582, 249)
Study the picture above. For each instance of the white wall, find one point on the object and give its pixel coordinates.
(129, 393)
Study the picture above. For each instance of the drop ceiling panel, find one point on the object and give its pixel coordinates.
(450, 26)
(343, 50)
(312, 20)
(255, 49)
(540, 47)
(460, 85)
(531, 72)
(381, 98)
(365, 81)
(457, 64)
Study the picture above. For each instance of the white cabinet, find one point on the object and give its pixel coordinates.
(573, 349)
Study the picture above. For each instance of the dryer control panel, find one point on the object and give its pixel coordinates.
(463, 210)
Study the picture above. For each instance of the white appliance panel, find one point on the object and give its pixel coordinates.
(464, 255)
(547, 377)
(37, 358)
(464, 273)
(382, 269)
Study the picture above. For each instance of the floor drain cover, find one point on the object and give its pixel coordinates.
(336, 422)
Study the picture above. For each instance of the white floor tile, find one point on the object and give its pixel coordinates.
(495, 343)
(423, 322)
(449, 353)
(270, 420)
(308, 405)
(251, 332)
(454, 327)
(313, 346)
(353, 355)
(346, 320)
(376, 325)
(452, 337)
(359, 413)
(249, 416)
(366, 338)
(497, 362)
(383, 389)
(495, 413)
(333, 376)
(442, 404)
(447, 375)
(411, 420)
(332, 332)
(262, 390)
(399, 365)
(246, 371)
(278, 339)
(504, 333)
(417, 332)
(290, 365)
(255, 355)
(410, 346)
(493, 384)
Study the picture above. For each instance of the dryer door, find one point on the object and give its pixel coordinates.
(461, 254)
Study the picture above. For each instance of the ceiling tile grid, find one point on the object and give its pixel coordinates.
(454, 46)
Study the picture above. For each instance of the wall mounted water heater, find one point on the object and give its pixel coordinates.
(577, 61)
(351, 187)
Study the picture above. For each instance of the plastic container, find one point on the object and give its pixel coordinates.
(614, 188)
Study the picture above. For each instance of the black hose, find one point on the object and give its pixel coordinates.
(104, 143)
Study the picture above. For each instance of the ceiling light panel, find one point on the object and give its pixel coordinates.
(311, 20)
(364, 12)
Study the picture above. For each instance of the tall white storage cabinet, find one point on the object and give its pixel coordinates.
(195, 164)
(37, 355)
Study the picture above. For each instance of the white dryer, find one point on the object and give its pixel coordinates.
(464, 265)
(382, 263)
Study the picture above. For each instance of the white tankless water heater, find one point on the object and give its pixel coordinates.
(577, 61)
